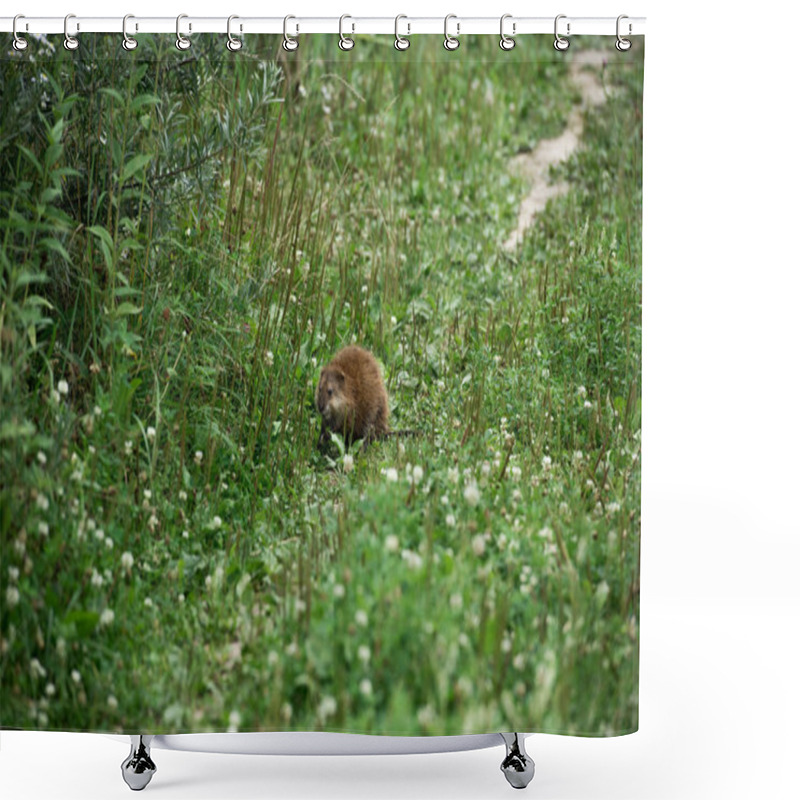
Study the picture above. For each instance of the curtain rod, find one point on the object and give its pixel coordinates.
(348, 25)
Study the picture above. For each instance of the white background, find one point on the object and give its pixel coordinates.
(720, 693)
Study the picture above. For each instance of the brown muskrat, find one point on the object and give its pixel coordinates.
(352, 398)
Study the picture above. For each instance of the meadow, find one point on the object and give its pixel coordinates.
(185, 240)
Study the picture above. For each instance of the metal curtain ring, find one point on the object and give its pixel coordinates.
(289, 42)
(560, 42)
(70, 42)
(233, 44)
(19, 44)
(622, 44)
(128, 43)
(451, 42)
(506, 42)
(182, 43)
(400, 42)
(345, 42)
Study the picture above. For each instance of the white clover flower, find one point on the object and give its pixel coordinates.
(182, 496)
(545, 533)
(456, 601)
(128, 447)
(42, 502)
(147, 494)
(519, 661)
(185, 534)
(148, 602)
(216, 523)
(412, 558)
(13, 574)
(547, 463)
(112, 702)
(479, 544)
(198, 457)
(44, 529)
(12, 596)
(151, 433)
(505, 645)
(347, 463)
(269, 358)
(391, 475)
(365, 687)
(338, 591)
(76, 676)
(152, 523)
(613, 507)
(361, 618)
(96, 579)
(426, 716)
(327, 707)
(364, 653)
(450, 520)
(452, 474)
(41, 458)
(37, 669)
(107, 617)
(417, 473)
(63, 387)
(391, 543)
(516, 473)
(272, 658)
(127, 560)
(472, 494)
(581, 391)
(50, 689)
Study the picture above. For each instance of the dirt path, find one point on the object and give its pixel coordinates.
(535, 165)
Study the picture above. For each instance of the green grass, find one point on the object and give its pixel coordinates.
(185, 251)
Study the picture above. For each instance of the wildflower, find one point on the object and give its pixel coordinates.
(613, 507)
(338, 591)
(12, 596)
(347, 463)
(391, 543)
(41, 458)
(478, 544)
(456, 601)
(42, 502)
(445, 500)
(44, 529)
(364, 653)
(472, 494)
(127, 561)
(128, 447)
(148, 602)
(327, 707)
(547, 463)
(37, 669)
(112, 702)
(516, 473)
(269, 358)
(182, 496)
(450, 520)
(272, 658)
(107, 617)
(417, 474)
(581, 391)
(234, 721)
(546, 533)
(198, 457)
(50, 689)
(13, 574)
(365, 687)
(109, 542)
(361, 618)
(519, 661)
(391, 475)
(426, 716)
(412, 558)
(97, 579)
(216, 523)
(151, 434)
(63, 388)
(76, 676)
(452, 474)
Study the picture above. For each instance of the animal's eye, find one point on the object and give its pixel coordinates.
(330, 392)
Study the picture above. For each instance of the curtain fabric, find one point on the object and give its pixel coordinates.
(210, 520)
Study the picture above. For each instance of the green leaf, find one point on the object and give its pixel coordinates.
(136, 164)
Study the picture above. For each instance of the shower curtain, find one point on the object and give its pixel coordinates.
(189, 237)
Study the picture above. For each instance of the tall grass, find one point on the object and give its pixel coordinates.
(185, 241)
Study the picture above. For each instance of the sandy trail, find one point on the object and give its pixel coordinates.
(535, 165)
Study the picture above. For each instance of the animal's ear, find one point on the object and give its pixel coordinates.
(337, 375)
